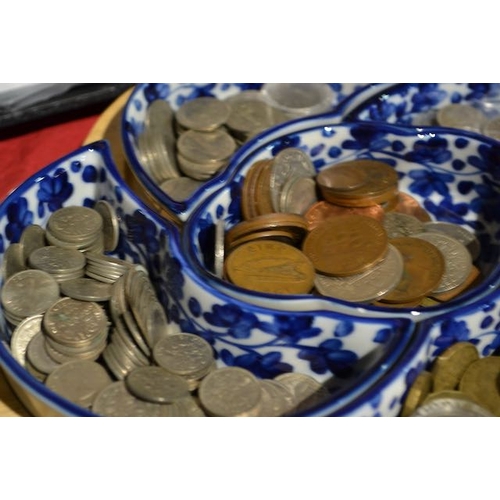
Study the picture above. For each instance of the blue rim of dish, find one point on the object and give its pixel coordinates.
(189, 228)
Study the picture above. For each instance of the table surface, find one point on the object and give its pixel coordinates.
(29, 151)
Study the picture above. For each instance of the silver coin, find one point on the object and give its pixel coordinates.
(75, 224)
(74, 323)
(368, 286)
(32, 237)
(462, 116)
(58, 261)
(111, 227)
(249, 115)
(287, 164)
(277, 400)
(38, 356)
(464, 236)
(180, 188)
(22, 335)
(125, 341)
(306, 391)
(184, 354)
(28, 293)
(230, 392)
(458, 260)
(116, 401)
(154, 384)
(13, 260)
(87, 289)
(297, 195)
(199, 171)
(219, 248)
(451, 407)
(203, 113)
(206, 147)
(492, 128)
(397, 224)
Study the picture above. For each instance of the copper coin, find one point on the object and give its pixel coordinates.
(469, 282)
(381, 185)
(248, 202)
(262, 194)
(342, 177)
(406, 204)
(346, 244)
(270, 267)
(323, 210)
(424, 266)
(295, 225)
(274, 235)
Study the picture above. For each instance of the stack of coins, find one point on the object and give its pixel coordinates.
(459, 383)
(363, 239)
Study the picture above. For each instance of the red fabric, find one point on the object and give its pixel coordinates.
(23, 155)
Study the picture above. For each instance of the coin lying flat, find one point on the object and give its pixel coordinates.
(460, 116)
(346, 245)
(203, 113)
(270, 267)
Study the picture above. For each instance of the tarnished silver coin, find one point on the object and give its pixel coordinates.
(368, 286)
(28, 293)
(464, 236)
(461, 116)
(458, 260)
(306, 391)
(22, 335)
(154, 384)
(180, 188)
(397, 224)
(105, 268)
(287, 164)
(206, 147)
(32, 237)
(13, 260)
(62, 263)
(111, 226)
(219, 248)
(230, 392)
(203, 113)
(298, 194)
(75, 224)
(87, 289)
(38, 356)
(116, 401)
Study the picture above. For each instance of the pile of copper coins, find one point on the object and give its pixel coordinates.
(90, 327)
(347, 232)
(183, 149)
(459, 383)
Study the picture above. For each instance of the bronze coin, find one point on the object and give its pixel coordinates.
(423, 269)
(262, 195)
(273, 234)
(270, 267)
(380, 185)
(346, 244)
(342, 177)
(248, 202)
(323, 210)
(406, 204)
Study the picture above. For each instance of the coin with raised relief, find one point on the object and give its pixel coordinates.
(276, 399)
(423, 270)
(206, 147)
(230, 392)
(111, 227)
(270, 267)
(204, 114)
(62, 263)
(346, 245)
(368, 286)
(458, 260)
(74, 224)
(450, 365)
(462, 116)
(22, 335)
(32, 237)
(398, 224)
(450, 404)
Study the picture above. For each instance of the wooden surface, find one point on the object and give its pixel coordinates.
(106, 127)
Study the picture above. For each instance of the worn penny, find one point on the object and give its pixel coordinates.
(270, 267)
(345, 245)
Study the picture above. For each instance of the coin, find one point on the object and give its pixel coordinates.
(32, 237)
(417, 393)
(480, 382)
(86, 289)
(13, 260)
(111, 229)
(322, 210)
(398, 224)
(230, 392)
(270, 267)
(461, 116)
(298, 195)
(406, 204)
(341, 177)
(204, 114)
(368, 286)
(450, 404)
(307, 391)
(180, 188)
(346, 245)
(276, 399)
(450, 365)
(206, 147)
(22, 335)
(457, 259)
(492, 128)
(423, 270)
(37, 355)
(75, 224)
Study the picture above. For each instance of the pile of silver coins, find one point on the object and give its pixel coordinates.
(91, 328)
(183, 149)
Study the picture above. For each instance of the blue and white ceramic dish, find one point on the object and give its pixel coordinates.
(453, 175)
(176, 94)
(358, 350)
(414, 103)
